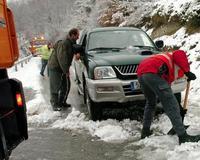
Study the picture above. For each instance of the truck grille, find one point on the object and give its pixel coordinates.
(127, 69)
(129, 92)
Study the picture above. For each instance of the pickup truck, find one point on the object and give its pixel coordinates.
(106, 71)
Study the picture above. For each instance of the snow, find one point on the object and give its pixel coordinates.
(184, 8)
(159, 146)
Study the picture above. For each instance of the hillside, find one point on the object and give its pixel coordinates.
(165, 18)
(54, 18)
(175, 22)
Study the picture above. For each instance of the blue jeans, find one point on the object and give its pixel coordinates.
(154, 86)
(44, 64)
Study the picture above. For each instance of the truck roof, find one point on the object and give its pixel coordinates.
(113, 28)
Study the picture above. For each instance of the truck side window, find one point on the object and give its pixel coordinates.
(84, 41)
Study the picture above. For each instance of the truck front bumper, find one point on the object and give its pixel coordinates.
(115, 90)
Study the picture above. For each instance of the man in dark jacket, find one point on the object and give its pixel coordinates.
(58, 65)
(155, 75)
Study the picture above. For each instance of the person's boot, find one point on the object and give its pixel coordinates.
(188, 138)
(146, 132)
(42, 74)
(173, 132)
(57, 108)
(62, 102)
(54, 102)
(65, 105)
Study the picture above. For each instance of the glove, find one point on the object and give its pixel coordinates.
(190, 76)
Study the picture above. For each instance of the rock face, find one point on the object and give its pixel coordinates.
(113, 15)
(150, 15)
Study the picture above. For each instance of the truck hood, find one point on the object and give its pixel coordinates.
(123, 57)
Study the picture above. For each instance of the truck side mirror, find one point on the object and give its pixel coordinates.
(159, 44)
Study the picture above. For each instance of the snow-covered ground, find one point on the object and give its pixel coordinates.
(157, 147)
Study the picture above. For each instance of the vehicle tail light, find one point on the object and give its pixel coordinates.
(19, 100)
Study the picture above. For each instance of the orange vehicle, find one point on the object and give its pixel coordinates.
(35, 43)
(32, 49)
(13, 119)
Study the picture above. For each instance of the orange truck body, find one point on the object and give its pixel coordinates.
(32, 49)
(9, 52)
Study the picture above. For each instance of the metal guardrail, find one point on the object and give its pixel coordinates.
(22, 61)
(126, 0)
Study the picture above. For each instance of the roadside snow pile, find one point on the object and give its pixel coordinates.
(164, 148)
(109, 130)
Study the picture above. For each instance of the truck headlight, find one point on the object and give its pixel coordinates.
(104, 72)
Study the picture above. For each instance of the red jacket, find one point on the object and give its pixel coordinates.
(176, 58)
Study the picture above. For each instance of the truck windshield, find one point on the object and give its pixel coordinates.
(118, 39)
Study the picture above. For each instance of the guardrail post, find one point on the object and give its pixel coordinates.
(22, 61)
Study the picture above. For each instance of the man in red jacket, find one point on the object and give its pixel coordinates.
(155, 74)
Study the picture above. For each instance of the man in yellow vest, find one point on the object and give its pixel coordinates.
(45, 52)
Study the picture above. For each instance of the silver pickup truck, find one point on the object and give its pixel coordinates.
(107, 69)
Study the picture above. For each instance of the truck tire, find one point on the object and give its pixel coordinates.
(3, 74)
(94, 109)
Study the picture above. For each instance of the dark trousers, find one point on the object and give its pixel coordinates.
(154, 86)
(64, 88)
(44, 64)
(59, 87)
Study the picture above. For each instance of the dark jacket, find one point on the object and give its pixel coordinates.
(62, 56)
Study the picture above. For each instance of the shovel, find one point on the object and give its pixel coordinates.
(183, 109)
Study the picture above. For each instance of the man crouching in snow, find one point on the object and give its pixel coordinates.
(155, 74)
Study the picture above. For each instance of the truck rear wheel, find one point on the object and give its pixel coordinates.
(3, 74)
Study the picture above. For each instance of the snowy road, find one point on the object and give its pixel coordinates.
(46, 144)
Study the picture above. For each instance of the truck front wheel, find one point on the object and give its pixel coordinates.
(94, 109)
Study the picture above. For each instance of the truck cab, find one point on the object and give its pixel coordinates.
(13, 119)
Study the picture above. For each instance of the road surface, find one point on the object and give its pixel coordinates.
(57, 144)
